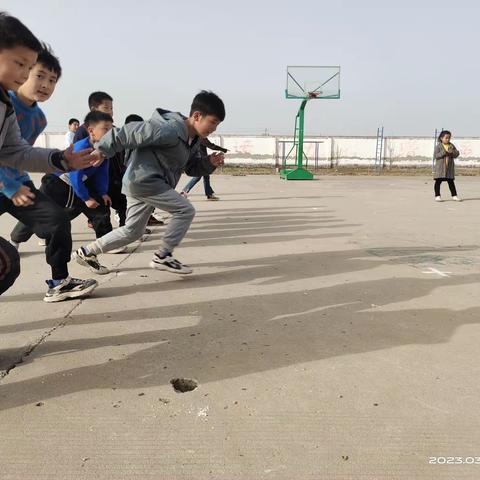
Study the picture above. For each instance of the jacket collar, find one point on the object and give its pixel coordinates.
(5, 99)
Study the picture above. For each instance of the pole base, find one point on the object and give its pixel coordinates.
(296, 174)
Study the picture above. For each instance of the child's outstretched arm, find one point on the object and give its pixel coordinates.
(17, 153)
(212, 146)
(136, 135)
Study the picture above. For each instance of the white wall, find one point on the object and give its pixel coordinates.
(326, 151)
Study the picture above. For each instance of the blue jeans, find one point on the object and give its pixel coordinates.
(206, 184)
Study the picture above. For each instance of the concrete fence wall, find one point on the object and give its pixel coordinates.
(325, 152)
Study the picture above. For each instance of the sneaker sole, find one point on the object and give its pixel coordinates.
(160, 266)
(70, 295)
(83, 263)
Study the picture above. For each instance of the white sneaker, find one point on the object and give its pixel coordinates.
(123, 249)
(438, 199)
(456, 199)
(90, 261)
(169, 264)
(69, 288)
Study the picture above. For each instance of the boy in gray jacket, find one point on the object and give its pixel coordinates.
(163, 148)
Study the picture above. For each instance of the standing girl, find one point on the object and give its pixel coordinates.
(445, 153)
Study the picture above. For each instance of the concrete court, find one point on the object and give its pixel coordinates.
(333, 327)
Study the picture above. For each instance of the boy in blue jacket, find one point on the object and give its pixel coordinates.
(85, 191)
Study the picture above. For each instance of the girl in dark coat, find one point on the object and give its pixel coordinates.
(445, 153)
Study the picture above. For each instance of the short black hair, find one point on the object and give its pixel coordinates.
(73, 120)
(133, 117)
(443, 133)
(96, 98)
(208, 103)
(95, 117)
(47, 58)
(13, 33)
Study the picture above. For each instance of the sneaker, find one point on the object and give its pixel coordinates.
(119, 250)
(90, 261)
(169, 264)
(69, 288)
(42, 242)
(153, 222)
(438, 199)
(213, 198)
(456, 199)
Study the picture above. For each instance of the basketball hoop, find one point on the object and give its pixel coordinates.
(313, 83)
(305, 83)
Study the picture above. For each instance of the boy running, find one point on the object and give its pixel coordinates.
(163, 148)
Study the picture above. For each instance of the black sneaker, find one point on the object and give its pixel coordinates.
(169, 264)
(69, 288)
(154, 222)
(90, 261)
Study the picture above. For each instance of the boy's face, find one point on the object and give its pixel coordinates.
(40, 84)
(15, 65)
(205, 125)
(73, 127)
(106, 107)
(446, 139)
(98, 130)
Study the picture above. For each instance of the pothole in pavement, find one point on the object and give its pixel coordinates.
(183, 385)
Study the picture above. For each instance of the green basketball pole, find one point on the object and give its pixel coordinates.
(307, 83)
(299, 172)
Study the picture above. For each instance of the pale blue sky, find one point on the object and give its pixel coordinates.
(411, 67)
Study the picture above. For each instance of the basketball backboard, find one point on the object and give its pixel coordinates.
(313, 82)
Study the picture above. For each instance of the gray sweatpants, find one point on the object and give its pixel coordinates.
(139, 210)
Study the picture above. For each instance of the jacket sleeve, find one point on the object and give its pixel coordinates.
(137, 135)
(439, 152)
(199, 165)
(8, 186)
(207, 143)
(455, 153)
(80, 189)
(18, 153)
(80, 134)
(100, 178)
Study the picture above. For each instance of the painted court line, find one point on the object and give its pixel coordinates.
(434, 271)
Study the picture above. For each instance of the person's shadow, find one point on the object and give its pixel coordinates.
(244, 334)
